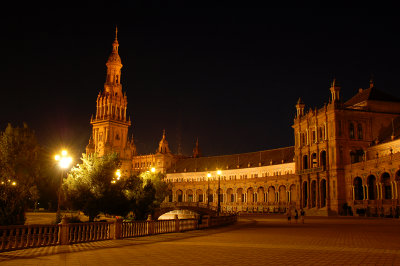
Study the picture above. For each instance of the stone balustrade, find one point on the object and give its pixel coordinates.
(30, 236)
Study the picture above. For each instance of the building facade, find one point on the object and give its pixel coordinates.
(346, 155)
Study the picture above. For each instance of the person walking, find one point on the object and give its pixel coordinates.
(289, 216)
(296, 215)
(302, 214)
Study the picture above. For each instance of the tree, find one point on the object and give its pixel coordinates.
(19, 170)
(92, 187)
(89, 186)
(152, 194)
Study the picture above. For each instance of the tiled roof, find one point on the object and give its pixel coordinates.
(244, 160)
(371, 94)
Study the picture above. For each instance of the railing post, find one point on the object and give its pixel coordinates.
(63, 231)
(176, 223)
(150, 224)
(116, 229)
(209, 221)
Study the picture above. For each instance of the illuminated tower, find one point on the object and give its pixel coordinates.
(110, 125)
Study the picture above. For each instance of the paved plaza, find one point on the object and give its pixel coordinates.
(254, 240)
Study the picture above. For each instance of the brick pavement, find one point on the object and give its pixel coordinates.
(254, 240)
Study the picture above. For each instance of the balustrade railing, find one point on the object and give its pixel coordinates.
(164, 226)
(87, 232)
(28, 236)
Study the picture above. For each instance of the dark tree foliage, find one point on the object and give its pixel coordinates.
(152, 194)
(19, 172)
(92, 187)
(89, 186)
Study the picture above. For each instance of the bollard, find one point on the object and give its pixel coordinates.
(63, 231)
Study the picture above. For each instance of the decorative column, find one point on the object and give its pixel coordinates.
(352, 188)
(364, 192)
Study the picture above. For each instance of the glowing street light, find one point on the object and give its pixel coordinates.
(64, 161)
(118, 174)
(153, 169)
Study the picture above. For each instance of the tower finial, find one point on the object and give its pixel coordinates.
(116, 32)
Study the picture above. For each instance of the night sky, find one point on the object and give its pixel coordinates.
(230, 77)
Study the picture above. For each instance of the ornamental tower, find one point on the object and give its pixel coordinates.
(110, 125)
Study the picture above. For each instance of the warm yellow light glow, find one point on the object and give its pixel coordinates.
(153, 169)
(65, 162)
(219, 172)
(118, 173)
(14, 183)
(113, 182)
(208, 175)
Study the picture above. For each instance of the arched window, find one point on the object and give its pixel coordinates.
(322, 161)
(387, 186)
(358, 189)
(351, 130)
(314, 160)
(305, 162)
(360, 131)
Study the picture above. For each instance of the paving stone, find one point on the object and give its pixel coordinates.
(262, 240)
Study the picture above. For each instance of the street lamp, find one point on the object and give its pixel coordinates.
(153, 169)
(208, 189)
(219, 186)
(63, 161)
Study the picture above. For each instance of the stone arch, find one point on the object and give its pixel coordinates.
(240, 195)
(313, 193)
(358, 188)
(386, 186)
(199, 195)
(250, 194)
(230, 197)
(323, 192)
(169, 196)
(305, 194)
(210, 195)
(189, 195)
(179, 195)
(260, 194)
(371, 182)
(282, 194)
(293, 193)
(271, 194)
(397, 176)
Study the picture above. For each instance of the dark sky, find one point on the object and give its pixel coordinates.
(227, 76)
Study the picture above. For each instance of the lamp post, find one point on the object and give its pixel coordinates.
(63, 161)
(219, 186)
(208, 189)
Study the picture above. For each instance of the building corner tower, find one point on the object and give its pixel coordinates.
(110, 124)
